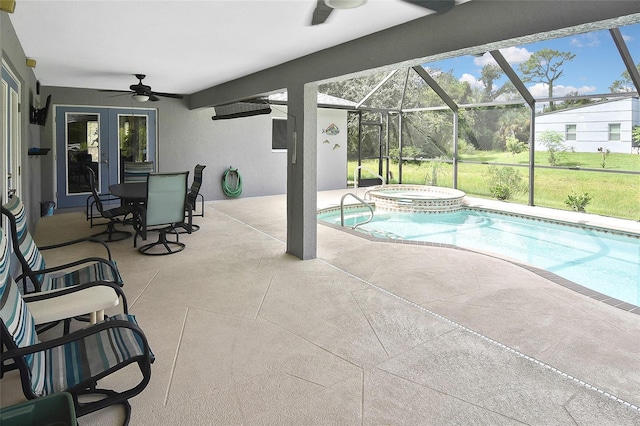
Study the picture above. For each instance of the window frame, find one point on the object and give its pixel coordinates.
(618, 133)
(571, 135)
(278, 137)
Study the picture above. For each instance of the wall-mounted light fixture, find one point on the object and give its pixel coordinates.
(8, 6)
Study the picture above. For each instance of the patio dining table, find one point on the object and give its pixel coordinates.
(130, 192)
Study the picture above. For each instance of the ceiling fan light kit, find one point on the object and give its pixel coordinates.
(140, 97)
(344, 4)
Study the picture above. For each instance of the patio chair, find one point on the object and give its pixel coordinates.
(75, 362)
(192, 200)
(114, 215)
(165, 208)
(35, 276)
(137, 171)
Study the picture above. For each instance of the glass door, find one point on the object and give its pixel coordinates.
(102, 139)
(10, 101)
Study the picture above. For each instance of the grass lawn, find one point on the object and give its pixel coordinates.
(613, 194)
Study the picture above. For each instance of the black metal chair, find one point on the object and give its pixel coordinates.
(165, 208)
(75, 362)
(113, 215)
(192, 200)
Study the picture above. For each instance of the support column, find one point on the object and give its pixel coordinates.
(302, 171)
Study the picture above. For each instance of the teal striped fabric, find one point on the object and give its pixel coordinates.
(28, 247)
(55, 280)
(18, 321)
(75, 362)
(137, 172)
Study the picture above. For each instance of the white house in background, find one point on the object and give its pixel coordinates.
(606, 125)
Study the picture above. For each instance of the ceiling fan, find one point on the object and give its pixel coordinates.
(325, 7)
(143, 93)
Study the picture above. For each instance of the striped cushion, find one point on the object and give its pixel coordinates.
(17, 319)
(93, 272)
(55, 280)
(71, 364)
(137, 172)
(28, 247)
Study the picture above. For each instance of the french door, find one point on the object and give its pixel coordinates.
(102, 139)
(10, 107)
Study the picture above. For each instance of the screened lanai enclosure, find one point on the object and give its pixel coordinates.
(553, 121)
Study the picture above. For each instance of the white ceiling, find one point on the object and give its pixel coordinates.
(183, 46)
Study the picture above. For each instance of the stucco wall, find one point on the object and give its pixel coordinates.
(187, 137)
(30, 167)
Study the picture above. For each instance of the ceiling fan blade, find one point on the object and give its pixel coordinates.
(168, 95)
(153, 98)
(438, 6)
(321, 13)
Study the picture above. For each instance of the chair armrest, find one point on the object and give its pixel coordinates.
(104, 285)
(57, 268)
(77, 335)
(55, 305)
(78, 241)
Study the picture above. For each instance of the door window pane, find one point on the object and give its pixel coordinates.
(83, 149)
(132, 138)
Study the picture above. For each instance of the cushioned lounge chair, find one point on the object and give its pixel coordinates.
(36, 276)
(75, 362)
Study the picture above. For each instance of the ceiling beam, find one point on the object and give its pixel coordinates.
(472, 27)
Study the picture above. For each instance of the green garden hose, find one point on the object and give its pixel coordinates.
(231, 174)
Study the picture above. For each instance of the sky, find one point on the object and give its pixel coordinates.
(595, 66)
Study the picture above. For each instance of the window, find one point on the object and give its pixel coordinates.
(570, 132)
(614, 132)
(279, 134)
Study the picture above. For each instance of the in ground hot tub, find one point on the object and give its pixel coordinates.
(416, 198)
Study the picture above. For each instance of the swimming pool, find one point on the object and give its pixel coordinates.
(605, 262)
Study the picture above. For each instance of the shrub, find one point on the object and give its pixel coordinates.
(515, 146)
(578, 202)
(605, 153)
(554, 142)
(504, 182)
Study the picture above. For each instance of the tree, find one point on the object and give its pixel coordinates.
(545, 66)
(624, 83)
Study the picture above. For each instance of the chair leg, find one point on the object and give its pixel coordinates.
(112, 233)
(170, 246)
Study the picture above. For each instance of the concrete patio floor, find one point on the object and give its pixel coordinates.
(368, 333)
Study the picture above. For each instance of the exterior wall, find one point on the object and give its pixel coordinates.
(187, 137)
(331, 149)
(592, 125)
(30, 166)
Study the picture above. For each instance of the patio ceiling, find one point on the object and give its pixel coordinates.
(183, 46)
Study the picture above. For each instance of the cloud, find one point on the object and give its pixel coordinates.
(586, 40)
(473, 82)
(541, 90)
(513, 55)
(627, 38)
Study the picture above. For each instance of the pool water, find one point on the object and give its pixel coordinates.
(604, 262)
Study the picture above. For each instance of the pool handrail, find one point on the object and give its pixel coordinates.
(361, 201)
(355, 181)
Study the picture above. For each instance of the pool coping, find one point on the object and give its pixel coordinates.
(625, 306)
